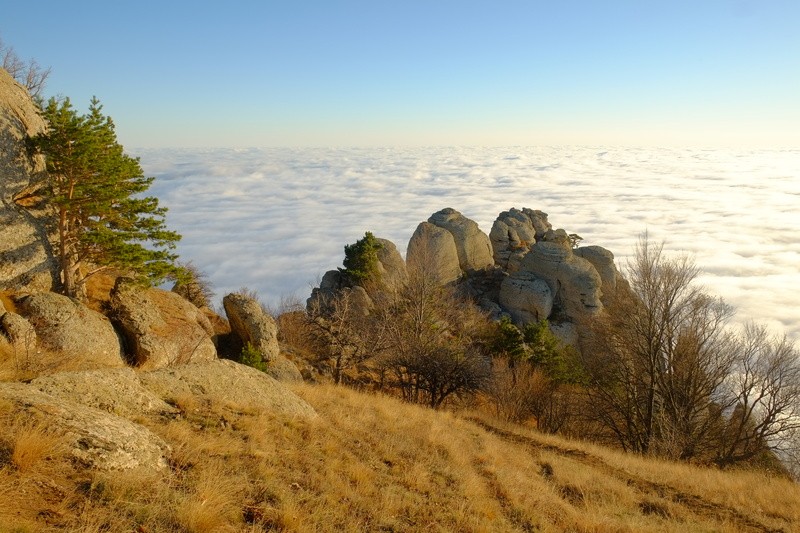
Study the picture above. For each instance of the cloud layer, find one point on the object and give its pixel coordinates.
(275, 220)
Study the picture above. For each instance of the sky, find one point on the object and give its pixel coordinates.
(414, 73)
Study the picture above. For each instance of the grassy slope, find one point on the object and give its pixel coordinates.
(371, 463)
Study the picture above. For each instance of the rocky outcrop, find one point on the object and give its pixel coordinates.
(118, 391)
(573, 281)
(64, 325)
(17, 332)
(526, 298)
(160, 328)
(391, 266)
(472, 245)
(603, 261)
(26, 258)
(432, 253)
(97, 439)
(229, 383)
(252, 325)
(513, 233)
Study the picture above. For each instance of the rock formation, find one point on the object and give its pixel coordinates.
(472, 245)
(26, 258)
(391, 266)
(513, 233)
(95, 438)
(526, 298)
(229, 383)
(432, 252)
(160, 328)
(64, 325)
(252, 325)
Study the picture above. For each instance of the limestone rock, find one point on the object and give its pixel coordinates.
(603, 261)
(472, 245)
(98, 439)
(252, 325)
(65, 325)
(432, 252)
(117, 391)
(227, 382)
(573, 281)
(391, 266)
(514, 232)
(26, 257)
(565, 332)
(526, 298)
(160, 327)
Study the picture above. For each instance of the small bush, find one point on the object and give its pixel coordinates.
(251, 356)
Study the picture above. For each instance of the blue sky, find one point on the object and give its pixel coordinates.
(354, 73)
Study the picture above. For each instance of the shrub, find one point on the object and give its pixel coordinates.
(251, 356)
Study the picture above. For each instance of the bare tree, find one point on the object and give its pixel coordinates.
(659, 357)
(29, 74)
(765, 390)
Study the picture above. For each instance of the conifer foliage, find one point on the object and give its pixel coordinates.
(97, 191)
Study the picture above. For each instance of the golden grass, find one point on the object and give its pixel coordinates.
(372, 463)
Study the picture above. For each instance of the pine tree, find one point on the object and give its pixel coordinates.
(102, 218)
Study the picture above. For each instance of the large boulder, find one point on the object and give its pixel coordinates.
(573, 281)
(513, 233)
(603, 261)
(160, 327)
(17, 332)
(472, 245)
(391, 266)
(64, 325)
(26, 257)
(229, 383)
(432, 253)
(252, 325)
(526, 298)
(98, 439)
(118, 391)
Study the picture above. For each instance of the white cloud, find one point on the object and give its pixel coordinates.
(276, 219)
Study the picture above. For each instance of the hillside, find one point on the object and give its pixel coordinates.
(371, 463)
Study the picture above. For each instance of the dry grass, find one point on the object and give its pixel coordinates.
(372, 463)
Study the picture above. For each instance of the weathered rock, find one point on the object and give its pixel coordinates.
(565, 332)
(526, 298)
(18, 332)
(252, 325)
(432, 252)
(603, 261)
(26, 258)
(96, 438)
(391, 266)
(227, 382)
(513, 233)
(64, 325)
(472, 245)
(118, 391)
(160, 327)
(573, 281)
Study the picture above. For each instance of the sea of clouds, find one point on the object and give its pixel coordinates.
(274, 220)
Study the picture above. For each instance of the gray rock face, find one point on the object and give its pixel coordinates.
(251, 324)
(603, 261)
(67, 326)
(472, 245)
(526, 298)
(513, 233)
(573, 281)
(117, 391)
(26, 258)
(160, 327)
(391, 266)
(228, 382)
(432, 252)
(96, 438)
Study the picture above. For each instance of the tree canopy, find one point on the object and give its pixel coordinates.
(97, 191)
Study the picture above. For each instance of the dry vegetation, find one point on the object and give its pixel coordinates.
(372, 463)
